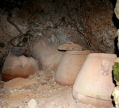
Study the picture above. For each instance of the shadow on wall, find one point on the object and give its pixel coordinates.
(116, 47)
(11, 4)
(113, 2)
(115, 21)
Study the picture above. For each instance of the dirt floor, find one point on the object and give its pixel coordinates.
(38, 91)
(40, 88)
(90, 23)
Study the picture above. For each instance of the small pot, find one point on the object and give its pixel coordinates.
(95, 78)
(18, 66)
(70, 66)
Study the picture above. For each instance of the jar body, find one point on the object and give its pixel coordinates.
(70, 66)
(95, 77)
(18, 67)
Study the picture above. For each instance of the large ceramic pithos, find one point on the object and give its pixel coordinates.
(94, 80)
(70, 66)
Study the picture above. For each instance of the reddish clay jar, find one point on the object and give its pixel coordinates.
(18, 66)
(69, 46)
(70, 66)
(94, 83)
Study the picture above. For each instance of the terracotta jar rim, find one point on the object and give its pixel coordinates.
(78, 52)
(94, 101)
(102, 55)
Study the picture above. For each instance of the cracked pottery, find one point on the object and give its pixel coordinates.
(94, 83)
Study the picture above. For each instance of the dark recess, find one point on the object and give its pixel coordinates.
(113, 2)
(115, 21)
(11, 4)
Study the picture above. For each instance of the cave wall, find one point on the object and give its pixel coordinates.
(89, 23)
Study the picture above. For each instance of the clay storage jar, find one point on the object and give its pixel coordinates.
(69, 66)
(94, 83)
(47, 55)
(18, 66)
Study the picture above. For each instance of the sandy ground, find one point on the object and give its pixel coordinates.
(41, 88)
(38, 91)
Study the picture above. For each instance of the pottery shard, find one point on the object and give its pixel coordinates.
(18, 83)
(69, 46)
(20, 66)
(46, 54)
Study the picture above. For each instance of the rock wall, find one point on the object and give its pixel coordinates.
(88, 23)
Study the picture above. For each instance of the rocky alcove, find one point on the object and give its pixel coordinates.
(36, 35)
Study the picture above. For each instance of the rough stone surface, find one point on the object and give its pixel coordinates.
(32, 104)
(88, 23)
